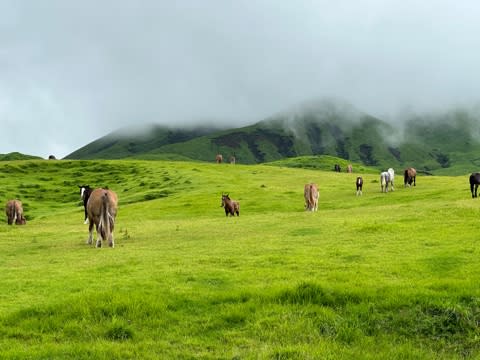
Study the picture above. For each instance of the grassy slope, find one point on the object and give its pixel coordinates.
(380, 276)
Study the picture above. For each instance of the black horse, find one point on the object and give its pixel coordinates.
(474, 182)
(85, 191)
(337, 168)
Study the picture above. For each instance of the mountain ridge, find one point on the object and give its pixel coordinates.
(442, 143)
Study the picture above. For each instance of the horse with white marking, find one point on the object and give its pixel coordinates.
(101, 211)
(85, 191)
(359, 185)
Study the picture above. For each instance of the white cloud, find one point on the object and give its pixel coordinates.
(71, 72)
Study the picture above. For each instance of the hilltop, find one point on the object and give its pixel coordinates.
(442, 143)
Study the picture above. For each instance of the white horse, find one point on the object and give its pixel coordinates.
(391, 173)
(384, 180)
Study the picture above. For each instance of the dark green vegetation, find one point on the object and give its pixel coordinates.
(445, 143)
(383, 276)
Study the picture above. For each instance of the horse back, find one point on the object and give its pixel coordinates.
(96, 201)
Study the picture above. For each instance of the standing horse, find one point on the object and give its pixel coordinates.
(85, 191)
(310, 193)
(349, 168)
(337, 168)
(474, 182)
(14, 212)
(391, 175)
(101, 211)
(359, 184)
(232, 207)
(219, 158)
(232, 160)
(409, 176)
(384, 180)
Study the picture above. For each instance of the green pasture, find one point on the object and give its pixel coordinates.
(381, 276)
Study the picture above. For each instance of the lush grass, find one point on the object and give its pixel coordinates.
(382, 276)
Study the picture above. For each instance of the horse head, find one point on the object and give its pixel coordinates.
(85, 191)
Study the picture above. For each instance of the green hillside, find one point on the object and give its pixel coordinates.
(17, 156)
(444, 143)
(381, 276)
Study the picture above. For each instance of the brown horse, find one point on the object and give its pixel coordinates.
(219, 158)
(14, 211)
(409, 176)
(232, 207)
(349, 168)
(310, 193)
(101, 211)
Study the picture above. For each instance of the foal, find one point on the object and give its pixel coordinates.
(231, 207)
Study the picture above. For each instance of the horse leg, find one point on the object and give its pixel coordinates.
(476, 187)
(86, 216)
(90, 233)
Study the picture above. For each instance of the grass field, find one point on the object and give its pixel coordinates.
(382, 276)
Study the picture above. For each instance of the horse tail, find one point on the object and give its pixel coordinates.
(107, 221)
(12, 213)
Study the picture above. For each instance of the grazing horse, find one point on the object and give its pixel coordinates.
(359, 184)
(219, 158)
(310, 193)
(391, 174)
(85, 191)
(409, 176)
(337, 168)
(474, 182)
(349, 168)
(14, 211)
(384, 180)
(101, 211)
(232, 207)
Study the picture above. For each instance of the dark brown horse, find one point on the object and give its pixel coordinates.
(409, 177)
(14, 212)
(337, 168)
(101, 212)
(85, 191)
(474, 182)
(232, 207)
(359, 185)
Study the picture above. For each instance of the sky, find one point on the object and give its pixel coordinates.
(74, 71)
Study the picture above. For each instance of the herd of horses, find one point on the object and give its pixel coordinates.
(387, 178)
(101, 204)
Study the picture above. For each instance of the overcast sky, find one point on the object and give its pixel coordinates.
(73, 71)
